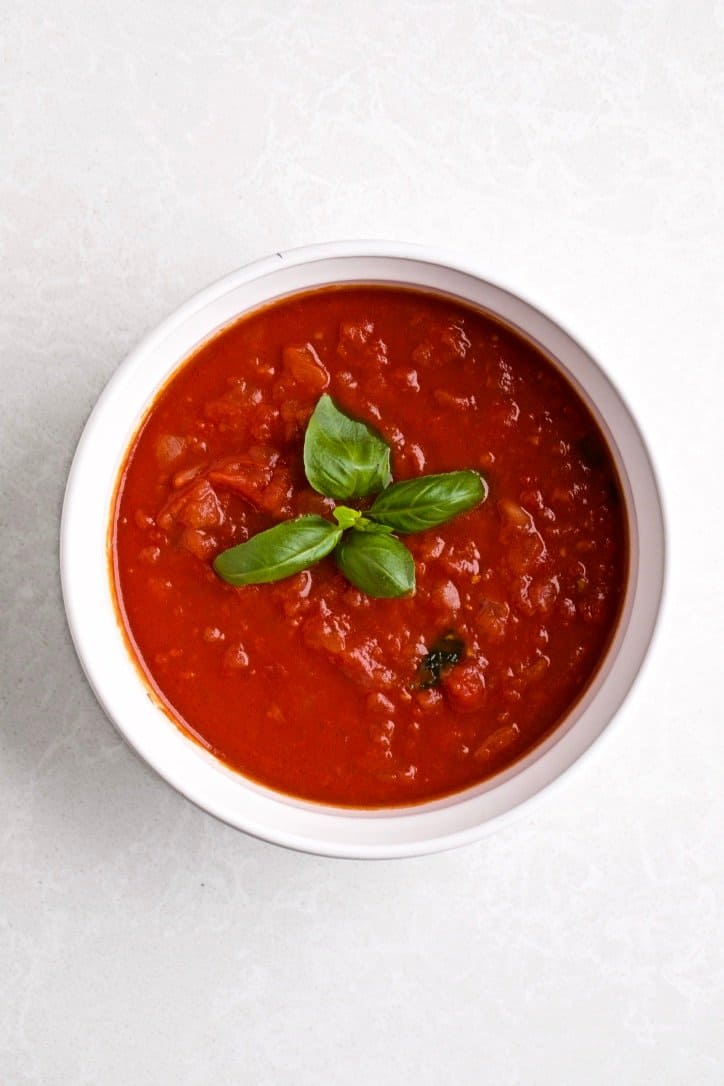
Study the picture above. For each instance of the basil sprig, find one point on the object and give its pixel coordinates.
(346, 458)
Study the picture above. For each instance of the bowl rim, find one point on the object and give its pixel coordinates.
(72, 522)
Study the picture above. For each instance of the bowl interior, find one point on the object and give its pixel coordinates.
(101, 644)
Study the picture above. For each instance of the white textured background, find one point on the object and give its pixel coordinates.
(575, 150)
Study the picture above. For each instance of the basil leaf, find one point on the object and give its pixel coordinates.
(346, 517)
(279, 552)
(344, 458)
(377, 564)
(447, 651)
(417, 504)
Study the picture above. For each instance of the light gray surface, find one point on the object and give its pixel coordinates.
(576, 151)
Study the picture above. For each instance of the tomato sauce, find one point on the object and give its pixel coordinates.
(307, 685)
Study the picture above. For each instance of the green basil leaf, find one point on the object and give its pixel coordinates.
(447, 651)
(279, 552)
(417, 504)
(377, 564)
(346, 517)
(344, 458)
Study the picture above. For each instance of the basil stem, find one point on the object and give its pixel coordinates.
(364, 524)
(376, 563)
(344, 458)
(279, 552)
(418, 504)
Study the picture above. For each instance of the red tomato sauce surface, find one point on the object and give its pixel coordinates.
(308, 685)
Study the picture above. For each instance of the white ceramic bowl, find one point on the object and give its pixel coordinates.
(114, 677)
